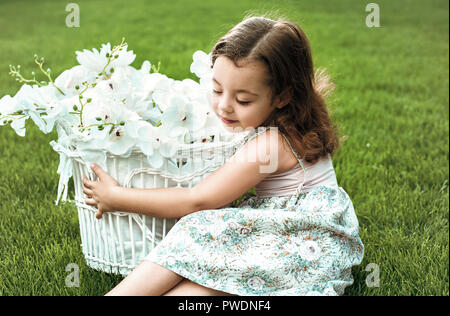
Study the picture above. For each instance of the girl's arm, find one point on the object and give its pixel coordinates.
(256, 160)
(156, 202)
(107, 195)
(240, 173)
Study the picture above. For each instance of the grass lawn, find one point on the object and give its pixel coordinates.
(391, 102)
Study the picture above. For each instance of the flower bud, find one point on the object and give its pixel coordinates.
(98, 118)
(77, 87)
(89, 100)
(122, 123)
(75, 108)
(111, 70)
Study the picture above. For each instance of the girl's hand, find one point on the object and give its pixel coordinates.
(99, 193)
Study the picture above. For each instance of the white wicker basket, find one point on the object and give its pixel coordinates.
(119, 241)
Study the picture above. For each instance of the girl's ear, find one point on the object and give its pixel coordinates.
(283, 98)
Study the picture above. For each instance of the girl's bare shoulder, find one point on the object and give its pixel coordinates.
(275, 145)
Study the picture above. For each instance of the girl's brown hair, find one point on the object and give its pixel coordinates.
(284, 48)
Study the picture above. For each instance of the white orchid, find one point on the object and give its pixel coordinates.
(162, 92)
(202, 64)
(105, 104)
(155, 144)
(182, 117)
(94, 60)
(9, 108)
(71, 78)
(41, 104)
(97, 61)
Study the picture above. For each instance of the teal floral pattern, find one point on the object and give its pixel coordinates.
(303, 244)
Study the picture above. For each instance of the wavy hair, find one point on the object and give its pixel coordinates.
(284, 48)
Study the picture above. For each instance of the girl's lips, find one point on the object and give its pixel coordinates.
(227, 121)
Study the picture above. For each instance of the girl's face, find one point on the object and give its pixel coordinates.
(241, 97)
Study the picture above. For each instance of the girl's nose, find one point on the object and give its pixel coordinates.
(224, 105)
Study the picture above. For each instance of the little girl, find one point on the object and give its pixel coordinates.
(299, 235)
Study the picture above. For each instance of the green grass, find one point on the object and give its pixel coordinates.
(391, 101)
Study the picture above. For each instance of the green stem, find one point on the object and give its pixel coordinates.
(111, 56)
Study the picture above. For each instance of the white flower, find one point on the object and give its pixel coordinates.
(125, 103)
(120, 141)
(19, 126)
(125, 58)
(201, 65)
(96, 61)
(117, 139)
(42, 104)
(310, 250)
(9, 106)
(154, 144)
(256, 283)
(69, 79)
(146, 67)
(182, 117)
(202, 68)
(162, 92)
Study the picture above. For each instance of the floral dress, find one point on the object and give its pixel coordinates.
(303, 244)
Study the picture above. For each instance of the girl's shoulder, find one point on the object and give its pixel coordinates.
(277, 148)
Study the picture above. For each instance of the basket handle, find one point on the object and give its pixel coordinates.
(134, 172)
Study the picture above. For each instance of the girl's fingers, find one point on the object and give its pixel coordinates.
(87, 191)
(90, 201)
(86, 183)
(99, 214)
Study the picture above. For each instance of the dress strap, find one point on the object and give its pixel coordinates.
(299, 188)
(248, 137)
(253, 134)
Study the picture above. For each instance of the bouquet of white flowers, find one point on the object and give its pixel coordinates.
(104, 107)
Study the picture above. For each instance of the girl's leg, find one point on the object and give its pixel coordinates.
(148, 278)
(189, 288)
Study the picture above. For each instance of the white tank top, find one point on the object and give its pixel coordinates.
(286, 183)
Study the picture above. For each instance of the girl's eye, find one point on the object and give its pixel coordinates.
(243, 102)
(216, 92)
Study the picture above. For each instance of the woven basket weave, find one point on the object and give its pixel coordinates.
(119, 241)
